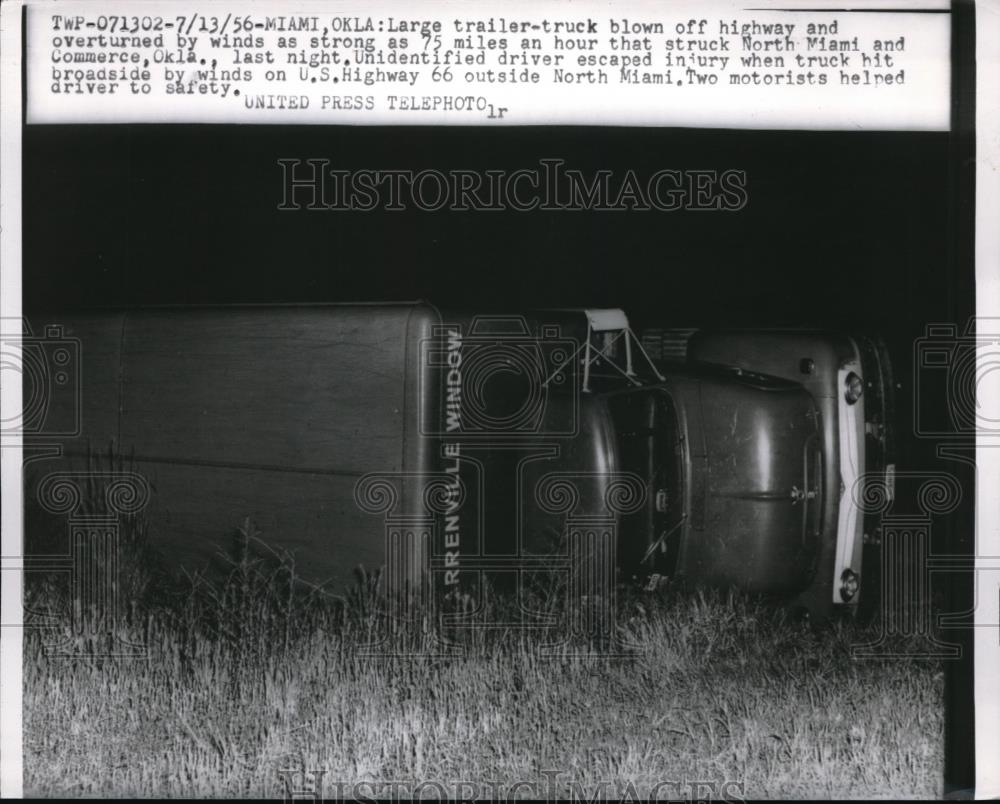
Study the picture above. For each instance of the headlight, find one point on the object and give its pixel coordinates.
(853, 388)
(849, 585)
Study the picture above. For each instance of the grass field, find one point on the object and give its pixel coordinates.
(724, 698)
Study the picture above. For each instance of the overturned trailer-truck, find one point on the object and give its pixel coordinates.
(451, 449)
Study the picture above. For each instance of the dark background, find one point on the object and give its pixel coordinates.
(839, 228)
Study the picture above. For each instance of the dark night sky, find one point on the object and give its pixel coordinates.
(838, 228)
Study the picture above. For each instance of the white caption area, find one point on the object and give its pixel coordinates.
(712, 64)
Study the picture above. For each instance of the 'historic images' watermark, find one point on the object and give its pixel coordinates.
(317, 786)
(312, 184)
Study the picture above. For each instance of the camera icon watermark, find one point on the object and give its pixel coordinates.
(47, 367)
(954, 374)
(501, 377)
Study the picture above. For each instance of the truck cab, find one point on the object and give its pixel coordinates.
(850, 380)
(732, 460)
(735, 468)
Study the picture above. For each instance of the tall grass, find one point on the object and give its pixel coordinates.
(251, 673)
